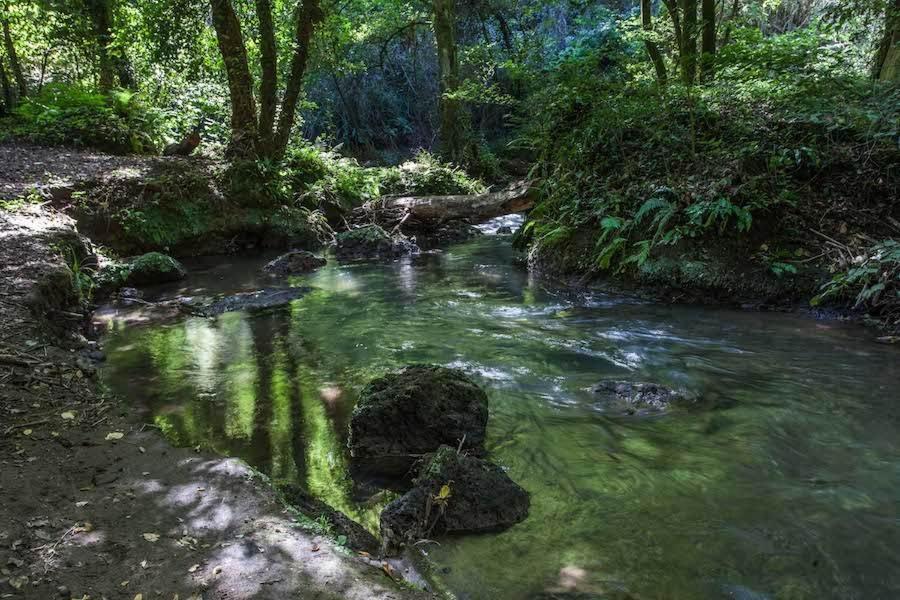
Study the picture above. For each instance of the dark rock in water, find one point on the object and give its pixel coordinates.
(638, 397)
(294, 263)
(358, 537)
(504, 230)
(153, 268)
(258, 300)
(453, 494)
(372, 241)
(453, 232)
(403, 415)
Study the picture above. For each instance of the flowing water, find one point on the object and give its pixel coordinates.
(786, 487)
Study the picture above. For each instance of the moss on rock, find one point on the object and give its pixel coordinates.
(153, 268)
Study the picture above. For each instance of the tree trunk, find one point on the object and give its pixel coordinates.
(708, 44)
(308, 15)
(14, 65)
(268, 85)
(99, 12)
(887, 61)
(652, 49)
(729, 26)
(9, 94)
(688, 45)
(505, 31)
(451, 127)
(244, 133)
(428, 212)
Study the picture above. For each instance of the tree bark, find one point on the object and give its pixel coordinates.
(244, 132)
(9, 94)
(308, 15)
(268, 85)
(427, 212)
(14, 65)
(708, 42)
(887, 60)
(652, 49)
(688, 45)
(99, 12)
(451, 130)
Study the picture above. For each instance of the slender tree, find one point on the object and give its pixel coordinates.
(688, 45)
(708, 40)
(252, 135)
(652, 49)
(887, 60)
(13, 58)
(451, 125)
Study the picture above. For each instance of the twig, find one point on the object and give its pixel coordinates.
(12, 360)
(29, 424)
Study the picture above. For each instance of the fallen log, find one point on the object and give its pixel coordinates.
(428, 212)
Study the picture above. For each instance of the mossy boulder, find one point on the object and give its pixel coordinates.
(296, 262)
(453, 494)
(371, 241)
(153, 268)
(403, 415)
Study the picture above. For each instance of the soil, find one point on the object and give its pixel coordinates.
(94, 503)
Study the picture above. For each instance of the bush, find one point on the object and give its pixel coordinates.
(68, 115)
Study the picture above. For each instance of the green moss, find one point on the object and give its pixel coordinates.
(154, 267)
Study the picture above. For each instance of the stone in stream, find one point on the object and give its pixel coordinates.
(295, 262)
(153, 268)
(453, 493)
(371, 241)
(247, 301)
(504, 230)
(629, 397)
(404, 415)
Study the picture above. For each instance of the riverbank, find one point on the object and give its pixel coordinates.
(93, 500)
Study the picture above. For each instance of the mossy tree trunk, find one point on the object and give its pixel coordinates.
(708, 40)
(688, 44)
(9, 94)
(652, 48)
(887, 61)
(13, 59)
(451, 132)
(257, 136)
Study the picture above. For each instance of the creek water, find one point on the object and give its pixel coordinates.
(785, 485)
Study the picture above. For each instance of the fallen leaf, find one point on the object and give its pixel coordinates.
(193, 568)
(217, 570)
(364, 554)
(124, 583)
(141, 449)
(138, 597)
(26, 432)
(18, 582)
(143, 564)
(68, 415)
(82, 503)
(388, 569)
(151, 537)
(315, 548)
(114, 435)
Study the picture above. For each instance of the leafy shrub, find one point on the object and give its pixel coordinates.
(68, 115)
(427, 175)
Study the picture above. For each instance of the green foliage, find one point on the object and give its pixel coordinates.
(872, 281)
(82, 273)
(69, 115)
(426, 175)
(641, 171)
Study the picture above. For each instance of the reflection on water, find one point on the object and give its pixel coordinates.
(786, 490)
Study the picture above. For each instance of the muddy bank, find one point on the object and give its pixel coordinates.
(94, 501)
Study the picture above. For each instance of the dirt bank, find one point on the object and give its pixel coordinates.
(95, 503)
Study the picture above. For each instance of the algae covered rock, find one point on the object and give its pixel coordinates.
(403, 415)
(153, 268)
(629, 397)
(295, 262)
(454, 493)
(372, 241)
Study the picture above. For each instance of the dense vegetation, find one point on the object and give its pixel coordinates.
(742, 150)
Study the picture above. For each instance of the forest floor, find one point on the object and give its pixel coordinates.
(94, 503)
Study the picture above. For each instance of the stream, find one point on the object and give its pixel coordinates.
(785, 487)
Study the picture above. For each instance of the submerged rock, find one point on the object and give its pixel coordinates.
(295, 262)
(372, 241)
(403, 415)
(504, 230)
(358, 538)
(632, 397)
(453, 232)
(258, 300)
(453, 493)
(153, 268)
